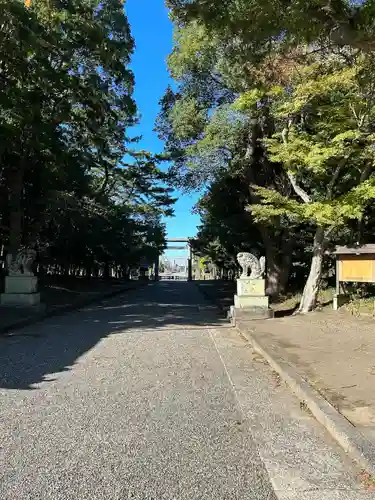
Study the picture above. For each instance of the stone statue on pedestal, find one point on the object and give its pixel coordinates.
(21, 265)
(251, 301)
(21, 286)
(249, 262)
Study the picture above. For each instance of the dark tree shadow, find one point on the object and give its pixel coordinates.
(283, 313)
(219, 291)
(33, 354)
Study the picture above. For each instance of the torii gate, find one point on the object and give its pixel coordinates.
(190, 258)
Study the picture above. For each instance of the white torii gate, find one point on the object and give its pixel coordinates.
(187, 245)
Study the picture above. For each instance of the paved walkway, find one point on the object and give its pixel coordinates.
(59, 294)
(148, 396)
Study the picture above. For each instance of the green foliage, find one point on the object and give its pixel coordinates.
(70, 179)
(192, 50)
(292, 86)
(248, 100)
(226, 227)
(213, 127)
(327, 144)
(198, 124)
(252, 25)
(187, 119)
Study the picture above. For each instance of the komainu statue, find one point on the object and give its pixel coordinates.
(251, 266)
(22, 264)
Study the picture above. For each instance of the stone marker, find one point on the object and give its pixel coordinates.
(251, 301)
(21, 286)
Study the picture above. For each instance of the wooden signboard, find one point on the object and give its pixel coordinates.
(359, 268)
(353, 264)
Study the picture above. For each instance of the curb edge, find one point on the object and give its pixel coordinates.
(346, 434)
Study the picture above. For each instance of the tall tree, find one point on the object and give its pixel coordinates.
(226, 228)
(207, 137)
(66, 161)
(325, 141)
(247, 24)
(314, 137)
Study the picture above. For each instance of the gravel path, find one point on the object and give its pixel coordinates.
(150, 396)
(126, 400)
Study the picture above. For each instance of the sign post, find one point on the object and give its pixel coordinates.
(353, 265)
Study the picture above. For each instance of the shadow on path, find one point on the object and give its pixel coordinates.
(32, 354)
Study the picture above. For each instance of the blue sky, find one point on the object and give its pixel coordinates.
(152, 31)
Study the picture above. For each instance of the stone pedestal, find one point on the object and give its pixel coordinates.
(251, 301)
(251, 293)
(21, 291)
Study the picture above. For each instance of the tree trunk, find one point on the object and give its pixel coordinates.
(273, 274)
(287, 246)
(106, 270)
(311, 290)
(278, 261)
(278, 248)
(278, 270)
(15, 210)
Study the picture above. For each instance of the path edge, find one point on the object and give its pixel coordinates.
(7, 330)
(344, 432)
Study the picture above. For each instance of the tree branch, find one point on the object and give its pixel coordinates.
(335, 176)
(252, 140)
(366, 172)
(297, 189)
(105, 180)
(292, 178)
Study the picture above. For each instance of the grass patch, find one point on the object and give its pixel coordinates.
(303, 406)
(291, 301)
(367, 480)
(358, 306)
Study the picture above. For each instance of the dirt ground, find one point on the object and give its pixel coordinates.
(335, 352)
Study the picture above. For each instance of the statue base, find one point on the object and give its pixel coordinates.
(20, 299)
(21, 284)
(249, 314)
(251, 287)
(251, 301)
(20, 291)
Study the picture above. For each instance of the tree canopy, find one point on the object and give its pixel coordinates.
(279, 96)
(342, 22)
(72, 182)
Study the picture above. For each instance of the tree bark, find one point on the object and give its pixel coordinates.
(287, 246)
(278, 269)
(15, 210)
(311, 290)
(106, 270)
(277, 248)
(274, 285)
